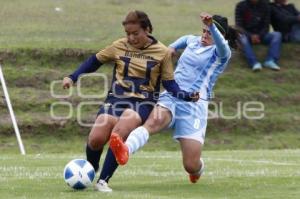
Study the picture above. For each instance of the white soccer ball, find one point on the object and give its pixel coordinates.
(79, 174)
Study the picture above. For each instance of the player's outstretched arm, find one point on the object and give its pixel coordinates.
(222, 46)
(88, 66)
(180, 43)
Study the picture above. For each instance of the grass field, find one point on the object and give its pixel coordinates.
(265, 174)
(92, 24)
(39, 45)
(95, 23)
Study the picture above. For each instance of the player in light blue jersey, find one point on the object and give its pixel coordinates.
(204, 58)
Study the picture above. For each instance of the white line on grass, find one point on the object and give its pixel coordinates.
(254, 161)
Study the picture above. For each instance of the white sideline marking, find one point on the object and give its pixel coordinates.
(221, 159)
(168, 155)
(254, 161)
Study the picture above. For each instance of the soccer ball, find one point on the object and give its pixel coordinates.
(79, 174)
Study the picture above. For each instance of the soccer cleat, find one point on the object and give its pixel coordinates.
(272, 65)
(102, 186)
(119, 149)
(256, 67)
(195, 177)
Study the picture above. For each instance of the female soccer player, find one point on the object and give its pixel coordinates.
(140, 63)
(202, 61)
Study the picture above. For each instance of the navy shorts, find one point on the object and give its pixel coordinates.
(115, 106)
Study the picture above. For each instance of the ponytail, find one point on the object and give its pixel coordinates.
(232, 37)
(231, 34)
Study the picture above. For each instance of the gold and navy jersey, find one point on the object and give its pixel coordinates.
(137, 72)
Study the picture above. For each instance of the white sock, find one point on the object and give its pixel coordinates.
(137, 139)
(201, 170)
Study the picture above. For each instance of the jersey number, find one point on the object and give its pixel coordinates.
(197, 124)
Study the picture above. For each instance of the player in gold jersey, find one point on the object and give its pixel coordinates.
(141, 63)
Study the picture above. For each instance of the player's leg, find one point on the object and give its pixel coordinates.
(191, 154)
(159, 118)
(128, 121)
(190, 128)
(100, 131)
(97, 138)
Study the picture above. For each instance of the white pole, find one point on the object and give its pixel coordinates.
(12, 115)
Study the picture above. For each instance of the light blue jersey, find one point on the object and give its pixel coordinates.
(199, 66)
(197, 70)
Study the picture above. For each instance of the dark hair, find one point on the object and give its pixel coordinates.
(230, 33)
(138, 17)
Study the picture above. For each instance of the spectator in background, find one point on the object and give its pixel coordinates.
(252, 17)
(285, 18)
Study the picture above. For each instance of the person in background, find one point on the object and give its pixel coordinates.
(285, 18)
(252, 17)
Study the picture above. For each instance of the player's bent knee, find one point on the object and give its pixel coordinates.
(93, 144)
(154, 124)
(100, 132)
(124, 131)
(96, 141)
(103, 120)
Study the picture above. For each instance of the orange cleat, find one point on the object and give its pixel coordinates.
(194, 178)
(119, 148)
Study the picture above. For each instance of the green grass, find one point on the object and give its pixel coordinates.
(154, 175)
(39, 45)
(95, 23)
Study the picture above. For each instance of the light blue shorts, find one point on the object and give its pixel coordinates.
(189, 119)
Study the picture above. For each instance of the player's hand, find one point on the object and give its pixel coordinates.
(67, 82)
(206, 18)
(195, 96)
(255, 39)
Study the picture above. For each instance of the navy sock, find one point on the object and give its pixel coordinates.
(93, 156)
(109, 166)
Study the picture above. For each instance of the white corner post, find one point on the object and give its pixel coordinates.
(11, 112)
